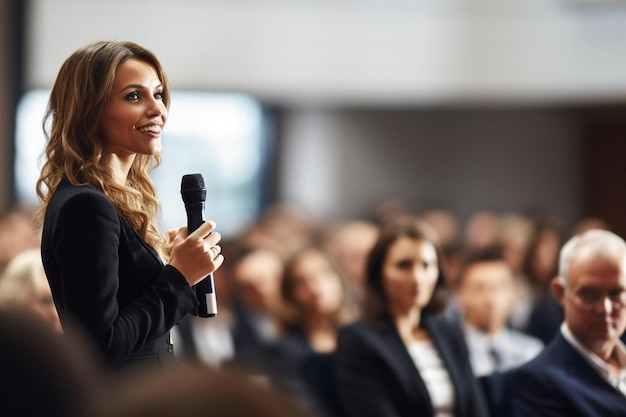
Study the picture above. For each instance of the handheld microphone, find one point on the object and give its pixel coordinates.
(194, 193)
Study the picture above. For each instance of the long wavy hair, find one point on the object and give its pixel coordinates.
(75, 148)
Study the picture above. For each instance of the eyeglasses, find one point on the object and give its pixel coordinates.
(589, 298)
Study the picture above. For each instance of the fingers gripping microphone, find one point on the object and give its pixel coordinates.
(194, 194)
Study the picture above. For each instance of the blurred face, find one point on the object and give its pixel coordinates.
(352, 247)
(594, 300)
(547, 255)
(316, 286)
(258, 278)
(41, 303)
(135, 113)
(410, 273)
(487, 295)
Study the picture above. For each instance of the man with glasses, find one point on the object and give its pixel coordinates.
(582, 372)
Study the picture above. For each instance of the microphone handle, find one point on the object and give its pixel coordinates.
(205, 294)
(205, 289)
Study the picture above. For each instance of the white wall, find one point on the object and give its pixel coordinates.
(355, 51)
(319, 55)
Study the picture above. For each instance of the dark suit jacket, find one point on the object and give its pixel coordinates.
(108, 280)
(308, 374)
(377, 377)
(560, 382)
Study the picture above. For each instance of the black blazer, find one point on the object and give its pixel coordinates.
(377, 377)
(108, 280)
(559, 382)
(308, 374)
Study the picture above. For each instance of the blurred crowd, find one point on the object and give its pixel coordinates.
(286, 288)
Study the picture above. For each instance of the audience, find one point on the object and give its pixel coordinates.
(486, 295)
(515, 233)
(18, 232)
(286, 321)
(540, 267)
(399, 359)
(446, 225)
(481, 230)
(348, 244)
(256, 273)
(582, 372)
(24, 287)
(315, 294)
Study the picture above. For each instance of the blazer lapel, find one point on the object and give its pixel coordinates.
(577, 365)
(396, 354)
(140, 239)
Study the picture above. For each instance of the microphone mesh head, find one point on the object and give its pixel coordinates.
(192, 182)
(192, 189)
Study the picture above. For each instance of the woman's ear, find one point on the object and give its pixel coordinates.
(558, 285)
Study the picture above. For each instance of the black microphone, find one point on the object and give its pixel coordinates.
(194, 193)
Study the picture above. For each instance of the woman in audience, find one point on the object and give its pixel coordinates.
(400, 360)
(314, 294)
(24, 287)
(112, 272)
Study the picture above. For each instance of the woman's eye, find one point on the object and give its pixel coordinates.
(133, 96)
(159, 95)
(404, 264)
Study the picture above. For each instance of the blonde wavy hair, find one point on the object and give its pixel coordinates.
(75, 148)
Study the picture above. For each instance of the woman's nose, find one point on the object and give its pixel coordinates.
(156, 108)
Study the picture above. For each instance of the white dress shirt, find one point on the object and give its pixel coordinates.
(500, 352)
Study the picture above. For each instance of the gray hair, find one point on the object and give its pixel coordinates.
(593, 243)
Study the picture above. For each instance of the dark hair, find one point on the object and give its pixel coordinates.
(487, 255)
(375, 305)
(540, 280)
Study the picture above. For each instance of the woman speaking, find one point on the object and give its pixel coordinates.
(112, 273)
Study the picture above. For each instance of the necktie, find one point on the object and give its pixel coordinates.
(496, 358)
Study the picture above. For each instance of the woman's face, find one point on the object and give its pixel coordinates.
(410, 273)
(257, 277)
(316, 287)
(135, 113)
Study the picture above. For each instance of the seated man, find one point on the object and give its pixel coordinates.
(486, 296)
(582, 372)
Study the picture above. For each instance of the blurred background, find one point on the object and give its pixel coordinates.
(341, 108)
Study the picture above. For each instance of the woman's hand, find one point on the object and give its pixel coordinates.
(197, 255)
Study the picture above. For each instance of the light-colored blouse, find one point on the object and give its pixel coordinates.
(435, 376)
